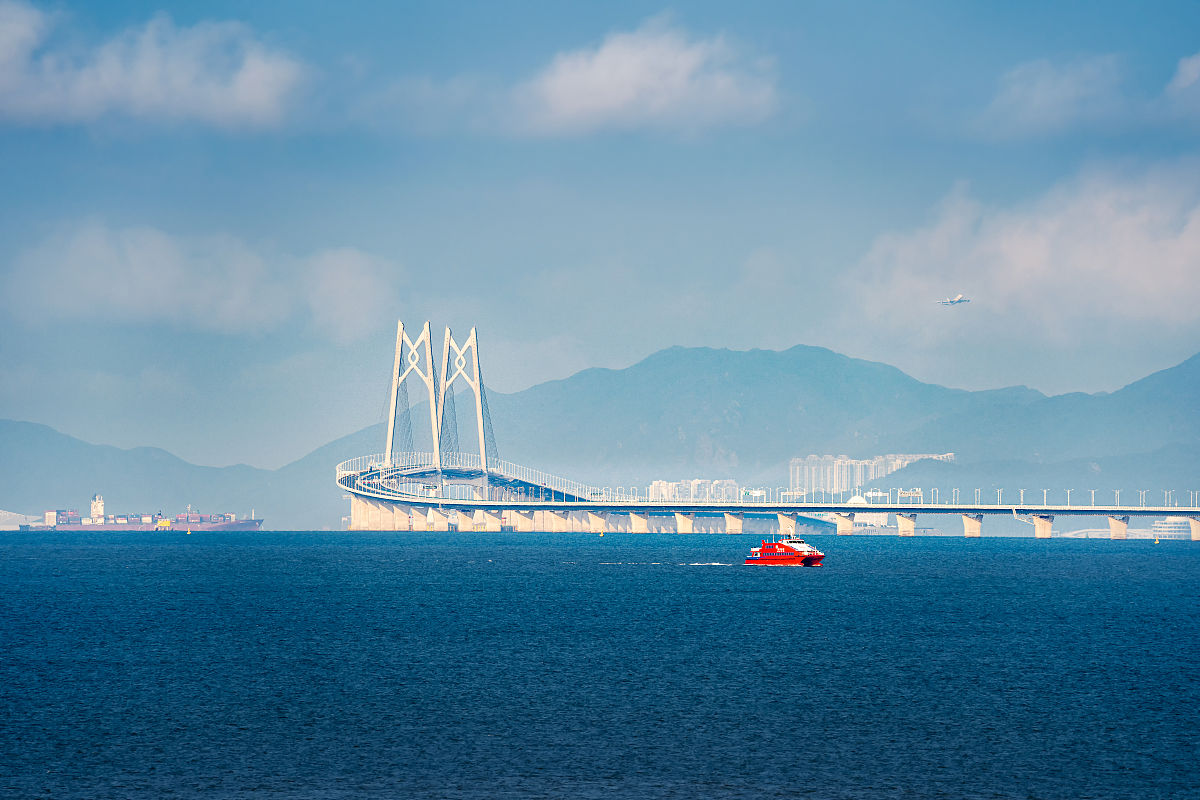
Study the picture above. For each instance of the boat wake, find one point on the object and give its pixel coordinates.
(660, 563)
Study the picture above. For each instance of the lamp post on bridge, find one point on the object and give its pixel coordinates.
(1142, 496)
(1068, 498)
(1044, 493)
(1022, 501)
(1093, 497)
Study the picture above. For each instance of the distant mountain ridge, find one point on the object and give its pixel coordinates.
(680, 413)
(745, 414)
(43, 469)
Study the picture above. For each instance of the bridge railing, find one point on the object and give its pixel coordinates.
(356, 465)
(539, 478)
(373, 473)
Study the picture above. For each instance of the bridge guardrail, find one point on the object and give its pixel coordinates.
(369, 471)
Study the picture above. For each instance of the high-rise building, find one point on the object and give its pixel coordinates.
(697, 489)
(844, 474)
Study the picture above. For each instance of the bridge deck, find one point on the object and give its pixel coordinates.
(370, 479)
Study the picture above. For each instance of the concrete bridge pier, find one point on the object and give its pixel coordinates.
(374, 515)
(371, 516)
(639, 523)
(972, 525)
(395, 517)
(597, 521)
(401, 519)
(557, 521)
(420, 518)
(437, 520)
(1042, 526)
(1118, 527)
(845, 523)
(522, 521)
(1194, 524)
(787, 524)
(484, 520)
(734, 523)
(388, 518)
(685, 523)
(906, 524)
(358, 513)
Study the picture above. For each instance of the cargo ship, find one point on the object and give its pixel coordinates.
(787, 552)
(97, 520)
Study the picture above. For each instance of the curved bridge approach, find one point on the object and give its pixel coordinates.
(459, 480)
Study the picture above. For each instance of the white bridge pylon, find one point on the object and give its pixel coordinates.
(414, 360)
(469, 372)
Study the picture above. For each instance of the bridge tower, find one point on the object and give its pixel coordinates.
(460, 363)
(466, 366)
(416, 361)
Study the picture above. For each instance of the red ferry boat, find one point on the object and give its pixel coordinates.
(787, 552)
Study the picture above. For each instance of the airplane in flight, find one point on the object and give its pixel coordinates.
(953, 301)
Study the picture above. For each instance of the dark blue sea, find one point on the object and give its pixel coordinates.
(358, 665)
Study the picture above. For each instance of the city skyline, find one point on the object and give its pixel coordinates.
(830, 473)
(239, 201)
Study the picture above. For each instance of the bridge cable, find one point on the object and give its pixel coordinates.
(489, 435)
(403, 442)
(448, 428)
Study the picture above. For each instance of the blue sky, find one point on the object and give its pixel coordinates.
(211, 216)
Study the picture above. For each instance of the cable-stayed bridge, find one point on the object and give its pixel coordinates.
(442, 488)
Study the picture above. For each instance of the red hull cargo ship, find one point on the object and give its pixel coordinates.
(99, 521)
(180, 522)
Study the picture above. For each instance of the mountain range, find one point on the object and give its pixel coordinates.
(687, 413)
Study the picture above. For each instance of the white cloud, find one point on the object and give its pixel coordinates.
(1099, 257)
(143, 276)
(1183, 92)
(656, 77)
(653, 77)
(1186, 74)
(1041, 97)
(215, 73)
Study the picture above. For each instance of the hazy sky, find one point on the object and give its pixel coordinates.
(212, 215)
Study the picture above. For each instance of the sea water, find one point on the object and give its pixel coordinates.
(348, 665)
